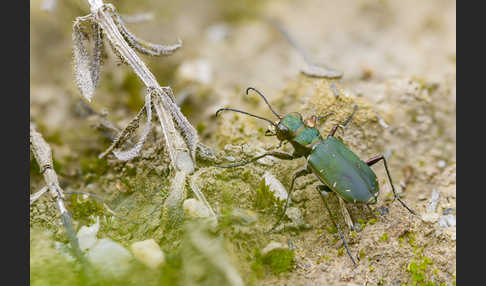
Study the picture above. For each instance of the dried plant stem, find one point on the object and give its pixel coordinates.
(175, 141)
(180, 136)
(38, 194)
(43, 156)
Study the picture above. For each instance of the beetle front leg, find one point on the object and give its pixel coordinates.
(300, 173)
(278, 154)
(374, 160)
(335, 127)
(324, 191)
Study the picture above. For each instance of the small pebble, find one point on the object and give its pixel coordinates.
(242, 216)
(449, 211)
(383, 210)
(447, 220)
(441, 164)
(198, 70)
(430, 217)
(275, 186)
(434, 200)
(184, 162)
(218, 32)
(195, 208)
(148, 252)
(110, 257)
(87, 235)
(273, 245)
(422, 197)
(295, 215)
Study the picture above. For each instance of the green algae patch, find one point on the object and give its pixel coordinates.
(276, 261)
(418, 270)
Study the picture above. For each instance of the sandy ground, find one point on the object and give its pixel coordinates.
(399, 64)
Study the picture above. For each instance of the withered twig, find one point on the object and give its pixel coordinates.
(43, 156)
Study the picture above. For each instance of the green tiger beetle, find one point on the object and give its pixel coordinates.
(335, 165)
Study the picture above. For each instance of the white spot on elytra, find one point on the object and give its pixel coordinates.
(334, 185)
(348, 190)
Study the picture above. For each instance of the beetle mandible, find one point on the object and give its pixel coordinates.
(338, 169)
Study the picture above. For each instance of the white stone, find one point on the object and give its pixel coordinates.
(447, 220)
(111, 258)
(87, 235)
(148, 252)
(273, 245)
(275, 186)
(434, 200)
(218, 32)
(198, 70)
(195, 208)
(430, 217)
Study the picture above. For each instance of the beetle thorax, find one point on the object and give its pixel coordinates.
(302, 136)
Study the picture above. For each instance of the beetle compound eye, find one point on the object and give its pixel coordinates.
(283, 129)
(282, 132)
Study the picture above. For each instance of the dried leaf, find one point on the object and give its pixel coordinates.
(96, 59)
(142, 46)
(82, 66)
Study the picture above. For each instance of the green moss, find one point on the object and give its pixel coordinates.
(372, 221)
(200, 127)
(362, 254)
(340, 251)
(171, 270)
(280, 261)
(277, 261)
(265, 200)
(411, 238)
(236, 11)
(93, 166)
(418, 270)
(332, 229)
(83, 208)
(384, 237)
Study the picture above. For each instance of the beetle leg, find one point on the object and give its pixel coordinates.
(375, 159)
(299, 173)
(345, 212)
(324, 190)
(335, 127)
(278, 154)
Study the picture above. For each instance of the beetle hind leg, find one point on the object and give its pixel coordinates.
(324, 191)
(374, 160)
(346, 215)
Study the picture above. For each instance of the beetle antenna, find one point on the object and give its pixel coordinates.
(244, 112)
(266, 101)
